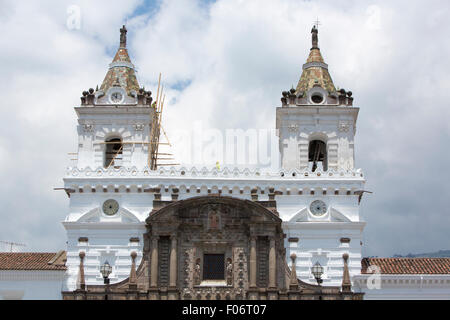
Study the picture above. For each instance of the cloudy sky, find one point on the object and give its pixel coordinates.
(225, 63)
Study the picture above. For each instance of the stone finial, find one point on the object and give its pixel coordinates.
(132, 284)
(315, 37)
(294, 282)
(346, 283)
(81, 280)
(254, 194)
(123, 37)
(175, 194)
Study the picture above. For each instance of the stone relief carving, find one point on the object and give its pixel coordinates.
(186, 266)
(197, 272)
(214, 218)
(88, 127)
(293, 127)
(229, 271)
(344, 126)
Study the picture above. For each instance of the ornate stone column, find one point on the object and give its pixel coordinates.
(272, 292)
(173, 262)
(81, 282)
(132, 283)
(346, 282)
(253, 262)
(172, 293)
(293, 292)
(252, 290)
(272, 264)
(154, 262)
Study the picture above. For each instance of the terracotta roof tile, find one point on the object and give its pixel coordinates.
(32, 260)
(407, 265)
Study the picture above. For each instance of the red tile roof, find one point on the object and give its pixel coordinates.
(407, 265)
(32, 260)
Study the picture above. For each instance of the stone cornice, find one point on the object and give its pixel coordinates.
(226, 174)
(325, 225)
(405, 280)
(109, 109)
(69, 225)
(315, 64)
(32, 275)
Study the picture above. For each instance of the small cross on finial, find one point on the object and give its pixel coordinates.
(314, 32)
(317, 23)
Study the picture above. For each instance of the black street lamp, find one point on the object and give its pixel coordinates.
(317, 271)
(106, 270)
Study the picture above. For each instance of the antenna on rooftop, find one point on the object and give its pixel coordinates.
(10, 245)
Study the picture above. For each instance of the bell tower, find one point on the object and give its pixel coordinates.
(316, 123)
(108, 206)
(114, 122)
(316, 126)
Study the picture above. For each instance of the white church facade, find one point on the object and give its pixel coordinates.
(316, 192)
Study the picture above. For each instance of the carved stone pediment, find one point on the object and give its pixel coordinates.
(211, 247)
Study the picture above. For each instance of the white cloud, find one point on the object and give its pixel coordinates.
(235, 57)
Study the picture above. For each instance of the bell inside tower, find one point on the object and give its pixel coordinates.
(317, 155)
(113, 153)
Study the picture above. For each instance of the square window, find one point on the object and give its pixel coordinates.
(214, 267)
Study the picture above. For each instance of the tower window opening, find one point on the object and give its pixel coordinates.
(317, 98)
(113, 153)
(317, 155)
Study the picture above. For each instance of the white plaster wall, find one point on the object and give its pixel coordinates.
(405, 287)
(297, 126)
(95, 125)
(31, 285)
(317, 243)
(109, 242)
(112, 234)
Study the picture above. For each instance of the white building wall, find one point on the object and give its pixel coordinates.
(31, 285)
(403, 286)
(112, 234)
(298, 125)
(106, 242)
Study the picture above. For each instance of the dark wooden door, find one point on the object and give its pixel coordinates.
(213, 267)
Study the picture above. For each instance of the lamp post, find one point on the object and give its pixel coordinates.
(105, 270)
(317, 271)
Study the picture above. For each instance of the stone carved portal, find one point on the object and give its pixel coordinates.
(213, 235)
(200, 248)
(240, 240)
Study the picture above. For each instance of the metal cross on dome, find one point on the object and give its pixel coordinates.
(317, 23)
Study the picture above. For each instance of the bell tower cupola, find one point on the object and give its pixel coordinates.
(315, 75)
(115, 119)
(316, 122)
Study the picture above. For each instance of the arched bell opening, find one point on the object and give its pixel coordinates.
(317, 155)
(113, 153)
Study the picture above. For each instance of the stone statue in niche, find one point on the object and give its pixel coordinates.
(197, 271)
(229, 271)
(214, 219)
